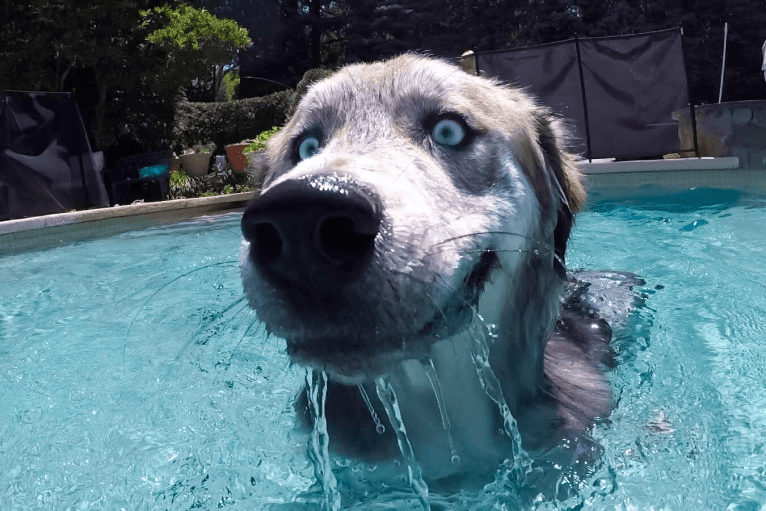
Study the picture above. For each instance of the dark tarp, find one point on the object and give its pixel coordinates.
(550, 72)
(632, 84)
(46, 165)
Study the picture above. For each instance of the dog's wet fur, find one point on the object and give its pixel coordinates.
(399, 198)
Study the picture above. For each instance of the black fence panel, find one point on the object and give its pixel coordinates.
(624, 98)
(46, 164)
(633, 85)
(550, 72)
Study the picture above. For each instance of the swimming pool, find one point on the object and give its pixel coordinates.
(133, 375)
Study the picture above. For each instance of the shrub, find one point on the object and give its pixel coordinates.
(230, 122)
(178, 179)
(185, 187)
(260, 141)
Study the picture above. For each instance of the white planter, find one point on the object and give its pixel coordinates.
(196, 165)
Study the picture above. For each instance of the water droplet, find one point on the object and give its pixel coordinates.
(428, 365)
(379, 427)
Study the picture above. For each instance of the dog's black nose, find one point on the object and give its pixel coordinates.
(317, 231)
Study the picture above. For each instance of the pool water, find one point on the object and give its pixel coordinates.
(133, 375)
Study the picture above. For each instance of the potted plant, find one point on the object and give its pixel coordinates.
(196, 161)
(237, 156)
(254, 149)
(240, 154)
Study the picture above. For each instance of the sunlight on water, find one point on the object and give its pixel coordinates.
(690, 428)
(133, 375)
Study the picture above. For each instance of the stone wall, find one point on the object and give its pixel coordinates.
(727, 129)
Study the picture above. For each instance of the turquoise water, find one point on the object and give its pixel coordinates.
(133, 376)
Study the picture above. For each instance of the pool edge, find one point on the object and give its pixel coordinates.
(605, 180)
(52, 230)
(615, 180)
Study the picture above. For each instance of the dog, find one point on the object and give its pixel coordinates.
(405, 202)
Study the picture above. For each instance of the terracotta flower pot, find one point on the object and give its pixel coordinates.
(237, 157)
(196, 165)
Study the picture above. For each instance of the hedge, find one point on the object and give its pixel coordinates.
(228, 122)
(234, 121)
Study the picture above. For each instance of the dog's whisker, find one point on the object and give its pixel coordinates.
(404, 171)
(209, 320)
(447, 223)
(266, 339)
(482, 234)
(410, 276)
(158, 291)
(436, 305)
(480, 251)
(242, 338)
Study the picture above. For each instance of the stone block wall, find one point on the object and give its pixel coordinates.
(727, 129)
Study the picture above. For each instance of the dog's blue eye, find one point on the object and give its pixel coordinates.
(448, 132)
(308, 148)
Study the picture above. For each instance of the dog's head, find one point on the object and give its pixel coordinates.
(393, 195)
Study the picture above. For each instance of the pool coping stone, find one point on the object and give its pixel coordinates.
(607, 178)
(48, 231)
(218, 202)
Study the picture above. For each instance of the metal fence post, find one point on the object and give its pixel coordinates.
(584, 100)
(691, 100)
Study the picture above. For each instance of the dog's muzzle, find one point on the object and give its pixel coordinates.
(321, 246)
(313, 234)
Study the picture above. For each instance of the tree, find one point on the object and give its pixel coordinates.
(97, 47)
(199, 45)
(280, 49)
(390, 27)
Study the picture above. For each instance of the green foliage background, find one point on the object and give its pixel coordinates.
(199, 45)
(227, 122)
(132, 61)
(260, 141)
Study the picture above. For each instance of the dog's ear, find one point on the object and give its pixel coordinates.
(553, 140)
(565, 179)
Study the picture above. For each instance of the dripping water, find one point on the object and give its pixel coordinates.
(388, 398)
(379, 427)
(316, 386)
(428, 365)
(478, 339)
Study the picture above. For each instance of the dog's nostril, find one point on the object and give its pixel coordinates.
(313, 234)
(341, 240)
(268, 242)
